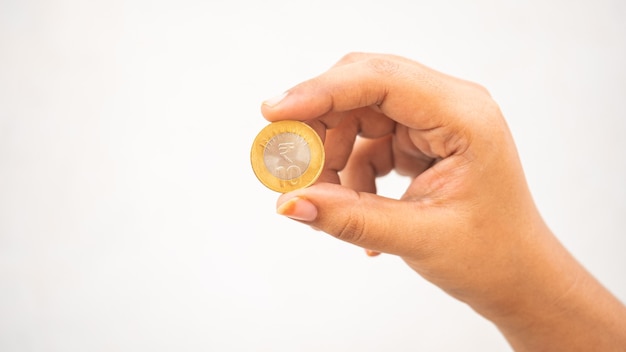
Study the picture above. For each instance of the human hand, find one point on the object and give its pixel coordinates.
(467, 221)
(454, 224)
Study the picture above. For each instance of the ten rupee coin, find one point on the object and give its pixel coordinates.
(287, 155)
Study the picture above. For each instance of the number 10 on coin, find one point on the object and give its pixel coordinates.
(287, 155)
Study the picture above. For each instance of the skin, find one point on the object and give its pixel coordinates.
(467, 221)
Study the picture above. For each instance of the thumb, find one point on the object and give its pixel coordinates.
(364, 219)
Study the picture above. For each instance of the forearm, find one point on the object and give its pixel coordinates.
(561, 307)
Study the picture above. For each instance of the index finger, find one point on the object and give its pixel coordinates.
(405, 91)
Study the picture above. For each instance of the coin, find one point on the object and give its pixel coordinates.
(287, 155)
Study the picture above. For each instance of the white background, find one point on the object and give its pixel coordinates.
(130, 219)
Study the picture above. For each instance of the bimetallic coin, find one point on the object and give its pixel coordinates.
(287, 155)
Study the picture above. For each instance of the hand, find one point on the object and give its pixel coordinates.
(467, 207)
(467, 221)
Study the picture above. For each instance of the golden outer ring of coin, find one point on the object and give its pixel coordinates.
(316, 149)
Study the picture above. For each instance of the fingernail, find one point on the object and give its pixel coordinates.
(371, 253)
(298, 209)
(275, 100)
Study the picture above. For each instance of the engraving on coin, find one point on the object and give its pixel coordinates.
(287, 155)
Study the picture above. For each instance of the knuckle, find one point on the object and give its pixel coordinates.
(383, 66)
(352, 57)
(482, 89)
(353, 229)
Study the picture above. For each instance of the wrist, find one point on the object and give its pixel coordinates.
(553, 303)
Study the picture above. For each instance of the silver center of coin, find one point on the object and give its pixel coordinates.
(287, 156)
